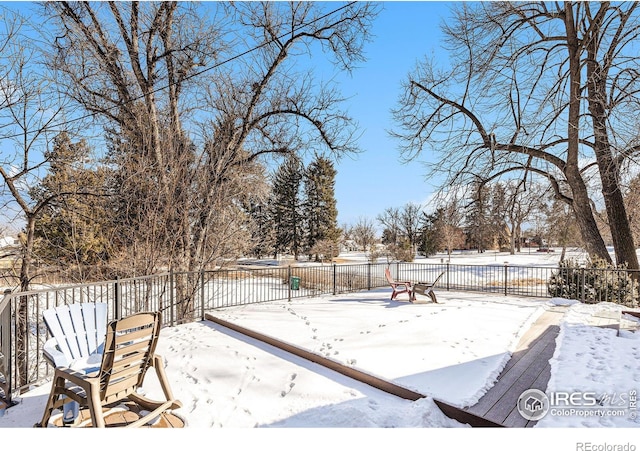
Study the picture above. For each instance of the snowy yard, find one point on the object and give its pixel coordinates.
(452, 351)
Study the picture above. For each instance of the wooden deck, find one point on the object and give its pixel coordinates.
(528, 368)
(121, 418)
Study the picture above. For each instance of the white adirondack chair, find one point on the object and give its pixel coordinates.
(77, 332)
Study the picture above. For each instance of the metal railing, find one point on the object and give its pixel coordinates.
(184, 297)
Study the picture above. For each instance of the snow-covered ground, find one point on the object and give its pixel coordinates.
(452, 351)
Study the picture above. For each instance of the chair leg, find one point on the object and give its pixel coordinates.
(162, 377)
(52, 401)
(95, 407)
(53, 397)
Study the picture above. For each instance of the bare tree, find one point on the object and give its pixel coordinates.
(522, 201)
(560, 225)
(518, 100)
(390, 221)
(448, 226)
(270, 105)
(129, 64)
(29, 110)
(410, 224)
(364, 234)
(137, 65)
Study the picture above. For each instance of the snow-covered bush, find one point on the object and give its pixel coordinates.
(596, 281)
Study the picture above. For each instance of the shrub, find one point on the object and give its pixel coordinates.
(403, 251)
(596, 281)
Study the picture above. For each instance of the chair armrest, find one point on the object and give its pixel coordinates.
(51, 352)
(79, 378)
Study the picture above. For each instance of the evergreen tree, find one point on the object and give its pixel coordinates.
(320, 211)
(262, 234)
(498, 211)
(286, 206)
(73, 228)
(429, 242)
(477, 224)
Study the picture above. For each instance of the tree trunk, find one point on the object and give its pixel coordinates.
(22, 314)
(581, 203)
(608, 168)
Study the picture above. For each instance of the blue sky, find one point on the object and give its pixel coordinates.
(374, 180)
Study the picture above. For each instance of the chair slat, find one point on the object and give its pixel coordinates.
(66, 334)
(101, 321)
(80, 330)
(89, 316)
(134, 321)
(52, 321)
(134, 335)
(120, 385)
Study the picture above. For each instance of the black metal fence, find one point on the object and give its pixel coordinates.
(184, 297)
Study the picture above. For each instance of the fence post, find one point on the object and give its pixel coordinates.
(289, 283)
(369, 276)
(334, 280)
(117, 301)
(202, 295)
(506, 277)
(583, 277)
(448, 263)
(172, 297)
(6, 345)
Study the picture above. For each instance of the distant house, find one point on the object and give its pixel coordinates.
(8, 251)
(348, 246)
(9, 241)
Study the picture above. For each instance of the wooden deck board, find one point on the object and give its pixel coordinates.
(528, 368)
(512, 374)
(123, 418)
(530, 378)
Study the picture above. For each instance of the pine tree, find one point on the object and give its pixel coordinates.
(73, 228)
(320, 211)
(477, 225)
(262, 234)
(286, 208)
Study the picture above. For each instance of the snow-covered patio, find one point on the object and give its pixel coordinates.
(451, 351)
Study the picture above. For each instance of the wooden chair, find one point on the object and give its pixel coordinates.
(426, 288)
(129, 351)
(399, 287)
(411, 288)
